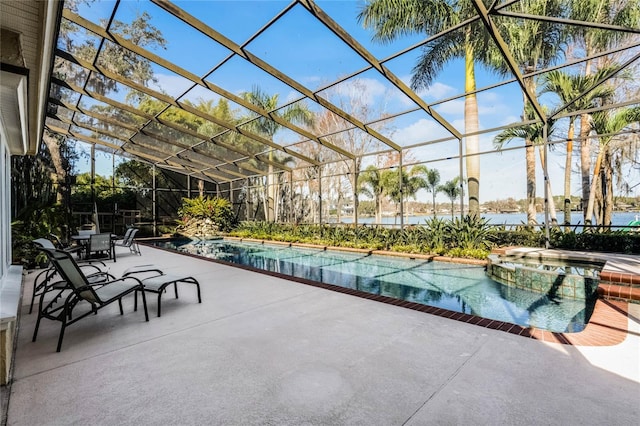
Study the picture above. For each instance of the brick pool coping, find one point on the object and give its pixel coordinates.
(608, 325)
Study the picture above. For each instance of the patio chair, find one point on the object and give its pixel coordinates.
(129, 241)
(97, 295)
(159, 281)
(100, 245)
(43, 281)
(75, 248)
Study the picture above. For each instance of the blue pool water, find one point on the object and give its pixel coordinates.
(456, 287)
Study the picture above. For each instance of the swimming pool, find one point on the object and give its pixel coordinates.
(456, 287)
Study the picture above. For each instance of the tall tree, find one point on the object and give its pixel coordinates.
(451, 189)
(371, 184)
(534, 45)
(589, 41)
(567, 87)
(112, 57)
(400, 185)
(391, 19)
(533, 134)
(607, 125)
(354, 97)
(432, 185)
(296, 113)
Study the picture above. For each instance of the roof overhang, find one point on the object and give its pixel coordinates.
(13, 108)
(28, 36)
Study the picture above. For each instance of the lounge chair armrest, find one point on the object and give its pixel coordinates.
(44, 276)
(141, 269)
(90, 265)
(129, 278)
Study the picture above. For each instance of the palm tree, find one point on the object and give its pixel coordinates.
(590, 40)
(370, 183)
(432, 182)
(412, 182)
(533, 134)
(416, 180)
(567, 87)
(392, 187)
(451, 189)
(534, 45)
(607, 125)
(296, 113)
(391, 19)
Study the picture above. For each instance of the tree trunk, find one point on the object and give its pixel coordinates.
(270, 193)
(472, 143)
(433, 192)
(552, 203)
(585, 154)
(567, 177)
(356, 201)
(530, 162)
(201, 188)
(530, 157)
(588, 219)
(53, 145)
(598, 209)
(607, 189)
(339, 203)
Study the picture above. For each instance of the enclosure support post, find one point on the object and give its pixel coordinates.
(290, 196)
(546, 186)
(188, 186)
(401, 193)
(246, 200)
(93, 175)
(320, 195)
(461, 179)
(113, 192)
(154, 210)
(355, 192)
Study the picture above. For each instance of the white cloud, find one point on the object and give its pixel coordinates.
(200, 92)
(172, 85)
(365, 89)
(455, 107)
(437, 91)
(420, 131)
(292, 96)
(509, 119)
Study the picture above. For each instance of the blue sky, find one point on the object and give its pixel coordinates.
(309, 53)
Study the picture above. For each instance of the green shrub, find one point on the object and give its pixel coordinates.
(32, 223)
(218, 210)
(506, 238)
(468, 253)
(469, 233)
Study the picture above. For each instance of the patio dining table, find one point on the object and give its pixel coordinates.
(83, 239)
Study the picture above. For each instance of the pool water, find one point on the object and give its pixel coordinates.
(456, 287)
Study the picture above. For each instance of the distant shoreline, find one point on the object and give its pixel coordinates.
(619, 219)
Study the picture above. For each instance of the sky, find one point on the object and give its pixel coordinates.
(305, 50)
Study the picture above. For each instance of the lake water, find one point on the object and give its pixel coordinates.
(619, 219)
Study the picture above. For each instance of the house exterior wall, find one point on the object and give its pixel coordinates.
(10, 275)
(26, 49)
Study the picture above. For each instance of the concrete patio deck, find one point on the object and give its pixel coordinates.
(262, 350)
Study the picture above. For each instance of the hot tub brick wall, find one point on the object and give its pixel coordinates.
(567, 286)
